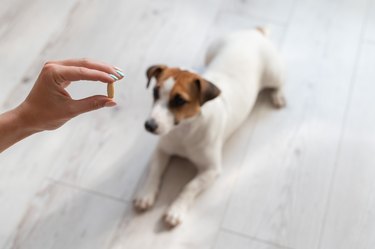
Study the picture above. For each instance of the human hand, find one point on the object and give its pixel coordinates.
(48, 105)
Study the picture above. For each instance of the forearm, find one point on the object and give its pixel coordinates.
(13, 128)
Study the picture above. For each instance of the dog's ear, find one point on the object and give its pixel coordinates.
(154, 71)
(206, 90)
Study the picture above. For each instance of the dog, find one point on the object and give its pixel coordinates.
(195, 114)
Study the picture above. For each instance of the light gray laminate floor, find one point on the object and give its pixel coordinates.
(299, 178)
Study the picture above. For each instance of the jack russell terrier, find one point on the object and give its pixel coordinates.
(194, 115)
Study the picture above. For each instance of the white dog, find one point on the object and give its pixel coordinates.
(196, 114)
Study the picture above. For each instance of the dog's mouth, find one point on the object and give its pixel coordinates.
(155, 128)
(153, 132)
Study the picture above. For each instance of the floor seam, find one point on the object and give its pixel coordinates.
(93, 192)
(256, 239)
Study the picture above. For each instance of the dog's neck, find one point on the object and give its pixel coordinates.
(189, 126)
(196, 130)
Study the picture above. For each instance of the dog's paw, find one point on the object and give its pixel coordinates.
(144, 202)
(174, 216)
(278, 99)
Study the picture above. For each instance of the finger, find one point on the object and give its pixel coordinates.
(92, 64)
(65, 84)
(72, 73)
(91, 103)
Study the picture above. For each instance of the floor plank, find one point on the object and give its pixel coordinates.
(9, 12)
(16, 32)
(273, 11)
(350, 221)
(282, 194)
(3, 239)
(230, 240)
(21, 176)
(62, 217)
(370, 25)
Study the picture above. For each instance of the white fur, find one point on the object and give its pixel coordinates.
(240, 64)
(168, 86)
(160, 111)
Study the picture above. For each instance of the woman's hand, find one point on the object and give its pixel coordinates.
(49, 106)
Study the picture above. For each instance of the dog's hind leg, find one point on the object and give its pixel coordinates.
(278, 98)
(273, 79)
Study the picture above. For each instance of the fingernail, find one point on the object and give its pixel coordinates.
(110, 104)
(117, 68)
(120, 73)
(113, 76)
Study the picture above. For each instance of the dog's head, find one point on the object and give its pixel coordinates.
(178, 96)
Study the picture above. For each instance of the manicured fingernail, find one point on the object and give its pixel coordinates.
(117, 68)
(113, 76)
(110, 104)
(120, 73)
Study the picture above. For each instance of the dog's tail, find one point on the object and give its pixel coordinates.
(263, 30)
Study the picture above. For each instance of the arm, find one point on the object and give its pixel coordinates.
(48, 105)
(13, 128)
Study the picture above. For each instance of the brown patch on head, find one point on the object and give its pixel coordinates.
(184, 97)
(154, 71)
(189, 93)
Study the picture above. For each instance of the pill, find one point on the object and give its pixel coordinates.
(110, 90)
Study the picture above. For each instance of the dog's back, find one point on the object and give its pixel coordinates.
(241, 64)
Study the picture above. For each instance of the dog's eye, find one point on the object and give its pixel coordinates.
(178, 101)
(156, 93)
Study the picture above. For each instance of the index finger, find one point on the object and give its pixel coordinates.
(72, 73)
(91, 64)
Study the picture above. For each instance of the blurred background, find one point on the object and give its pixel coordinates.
(297, 178)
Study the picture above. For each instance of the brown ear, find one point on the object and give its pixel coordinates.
(207, 90)
(154, 71)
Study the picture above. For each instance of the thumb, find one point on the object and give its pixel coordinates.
(92, 103)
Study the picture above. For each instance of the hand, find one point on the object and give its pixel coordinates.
(49, 105)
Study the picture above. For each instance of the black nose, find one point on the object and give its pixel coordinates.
(151, 125)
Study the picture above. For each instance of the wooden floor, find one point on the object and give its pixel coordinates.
(299, 178)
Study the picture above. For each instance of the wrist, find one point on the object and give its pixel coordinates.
(13, 128)
(25, 120)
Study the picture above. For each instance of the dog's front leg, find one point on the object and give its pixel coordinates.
(179, 207)
(145, 198)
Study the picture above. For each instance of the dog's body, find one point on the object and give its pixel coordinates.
(240, 65)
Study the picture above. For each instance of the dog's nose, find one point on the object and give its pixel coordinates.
(151, 125)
